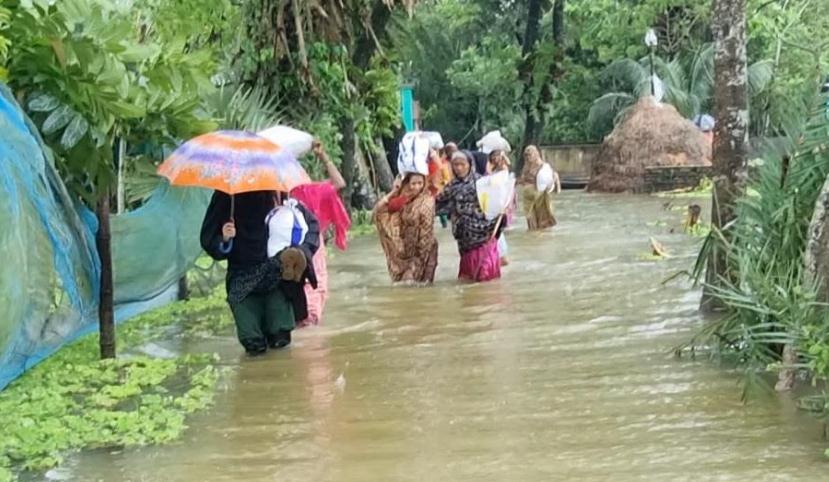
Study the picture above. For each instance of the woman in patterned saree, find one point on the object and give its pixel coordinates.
(405, 225)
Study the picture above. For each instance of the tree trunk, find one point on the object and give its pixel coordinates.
(730, 133)
(382, 168)
(527, 53)
(558, 23)
(349, 166)
(553, 73)
(367, 42)
(816, 273)
(106, 312)
(120, 201)
(183, 288)
(365, 47)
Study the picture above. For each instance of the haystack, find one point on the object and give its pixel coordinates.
(650, 134)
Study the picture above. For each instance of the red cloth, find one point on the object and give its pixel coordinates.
(433, 167)
(322, 199)
(397, 203)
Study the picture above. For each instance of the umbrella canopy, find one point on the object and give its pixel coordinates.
(233, 162)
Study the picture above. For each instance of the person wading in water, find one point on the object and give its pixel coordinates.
(266, 294)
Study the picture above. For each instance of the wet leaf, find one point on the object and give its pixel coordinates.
(138, 53)
(74, 132)
(127, 110)
(43, 103)
(57, 47)
(57, 120)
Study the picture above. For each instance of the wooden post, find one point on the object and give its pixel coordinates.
(106, 311)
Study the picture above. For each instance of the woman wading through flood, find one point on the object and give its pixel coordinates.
(476, 236)
(499, 162)
(538, 181)
(268, 253)
(323, 199)
(405, 224)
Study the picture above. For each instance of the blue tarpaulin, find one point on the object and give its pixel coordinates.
(49, 279)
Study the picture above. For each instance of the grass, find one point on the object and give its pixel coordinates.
(74, 401)
(361, 224)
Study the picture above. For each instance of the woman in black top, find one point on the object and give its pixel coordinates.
(265, 302)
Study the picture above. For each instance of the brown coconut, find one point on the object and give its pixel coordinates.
(650, 134)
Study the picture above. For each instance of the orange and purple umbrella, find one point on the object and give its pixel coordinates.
(233, 162)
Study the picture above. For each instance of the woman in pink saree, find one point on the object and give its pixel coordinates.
(323, 200)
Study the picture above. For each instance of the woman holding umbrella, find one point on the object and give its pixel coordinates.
(251, 177)
(266, 295)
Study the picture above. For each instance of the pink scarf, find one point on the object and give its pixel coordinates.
(322, 199)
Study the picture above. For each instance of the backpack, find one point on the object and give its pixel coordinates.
(286, 227)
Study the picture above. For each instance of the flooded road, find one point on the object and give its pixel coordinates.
(559, 371)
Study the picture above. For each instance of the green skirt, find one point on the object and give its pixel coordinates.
(538, 207)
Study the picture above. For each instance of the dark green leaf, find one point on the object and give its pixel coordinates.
(74, 132)
(126, 109)
(43, 103)
(57, 120)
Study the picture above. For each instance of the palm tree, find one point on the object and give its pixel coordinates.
(688, 86)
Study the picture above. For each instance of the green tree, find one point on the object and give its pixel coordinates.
(87, 77)
(688, 86)
(330, 58)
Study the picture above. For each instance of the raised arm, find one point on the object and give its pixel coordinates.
(334, 174)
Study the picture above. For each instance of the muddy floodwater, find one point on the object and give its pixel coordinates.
(560, 371)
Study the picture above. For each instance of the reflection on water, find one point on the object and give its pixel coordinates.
(559, 371)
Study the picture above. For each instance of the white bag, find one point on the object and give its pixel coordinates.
(286, 227)
(435, 139)
(413, 154)
(493, 141)
(546, 178)
(295, 141)
(495, 193)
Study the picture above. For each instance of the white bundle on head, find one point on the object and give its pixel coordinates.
(493, 141)
(286, 227)
(435, 139)
(413, 154)
(295, 141)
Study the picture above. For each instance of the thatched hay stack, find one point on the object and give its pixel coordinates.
(650, 134)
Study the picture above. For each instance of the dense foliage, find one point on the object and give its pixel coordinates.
(474, 46)
(771, 299)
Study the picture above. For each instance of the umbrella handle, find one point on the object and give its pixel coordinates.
(232, 207)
